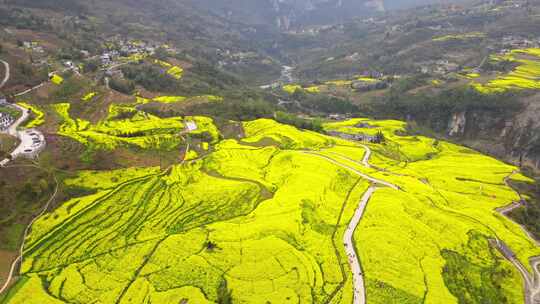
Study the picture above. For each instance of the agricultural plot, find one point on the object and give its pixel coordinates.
(128, 127)
(270, 227)
(464, 36)
(175, 71)
(38, 115)
(89, 96)
(169, 99)
(179, 99)
(57, 79)
(339, 83)
(314, 89)
(524, 77)
(331, 84)
(291, 88)
(442, 220)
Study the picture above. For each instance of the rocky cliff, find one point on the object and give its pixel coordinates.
(515, 138)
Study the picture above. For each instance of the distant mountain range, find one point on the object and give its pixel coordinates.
(287, 14)
(277, 14)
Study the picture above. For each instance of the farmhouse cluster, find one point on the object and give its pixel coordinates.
(120, 48)
(32, 141)
(5, 121)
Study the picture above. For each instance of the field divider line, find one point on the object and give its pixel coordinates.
(93, 204)
(357, 172)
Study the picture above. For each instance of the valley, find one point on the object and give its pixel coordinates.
(269, 152)
(171, 210)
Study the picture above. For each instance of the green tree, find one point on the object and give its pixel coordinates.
(224, 293)
(380, 138)
(91, 66)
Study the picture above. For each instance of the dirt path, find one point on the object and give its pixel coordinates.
(369, 178)
(26, 140)
(19, 258)
(531, 281)
(29, 90)
(6, 257)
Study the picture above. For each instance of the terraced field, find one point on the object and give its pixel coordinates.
(38, 115)
(314, 89)
(174, 71)
(524, 77)
(261, 220)
(127, 126)
(464, 36)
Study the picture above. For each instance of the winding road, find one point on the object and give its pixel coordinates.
(359, 290)
(531, 281)
(6, 75)
(359, 295)
(535, 290)
(26, 140)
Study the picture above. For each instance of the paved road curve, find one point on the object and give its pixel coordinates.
(25, 138)
(531, 281)
(6, 75)
(359, 295)
(535, 291)
(361, 174)
(359, 290)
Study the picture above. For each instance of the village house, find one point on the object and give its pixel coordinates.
(105, 59)
(515, 42)
(444, 67)
(356, 137)
(5, 121)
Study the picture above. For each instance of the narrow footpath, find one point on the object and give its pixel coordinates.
(19, 258)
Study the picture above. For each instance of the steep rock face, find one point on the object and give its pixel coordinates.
(515, 138)
(456, 126)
